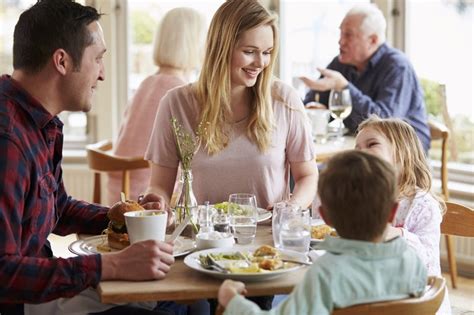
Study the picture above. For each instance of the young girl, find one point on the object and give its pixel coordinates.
(420, 212)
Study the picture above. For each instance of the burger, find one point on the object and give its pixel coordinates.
(117, 235)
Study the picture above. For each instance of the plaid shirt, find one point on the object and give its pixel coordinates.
(34, 203)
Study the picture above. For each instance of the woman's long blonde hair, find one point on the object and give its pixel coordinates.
(213, 87)
(408, 154)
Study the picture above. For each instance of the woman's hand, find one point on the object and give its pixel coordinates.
(228, 290)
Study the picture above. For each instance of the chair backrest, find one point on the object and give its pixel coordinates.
(427, 304)
(441, 132)
(100, 159)
(458, 220)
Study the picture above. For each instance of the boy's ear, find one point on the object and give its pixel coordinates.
(393, 212)
(322, 212)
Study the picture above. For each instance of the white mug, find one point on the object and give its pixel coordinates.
(146, 225)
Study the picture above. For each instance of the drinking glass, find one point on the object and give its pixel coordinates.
(205, 215)
(242, 209)
(319, 122)
(295, 230)
(340, 105)
(278, 209)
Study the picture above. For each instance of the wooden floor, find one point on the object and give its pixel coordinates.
(462, 298)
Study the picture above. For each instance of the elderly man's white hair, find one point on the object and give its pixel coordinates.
(373, 20)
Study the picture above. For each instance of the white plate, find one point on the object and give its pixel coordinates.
(192, 261)
(316, 222)
(98, 245)
(263, 214)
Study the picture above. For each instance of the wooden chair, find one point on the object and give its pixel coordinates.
(441, 132)
(458, 220)
(100, 159)
(427, 304)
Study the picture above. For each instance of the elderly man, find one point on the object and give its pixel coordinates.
(381, 80)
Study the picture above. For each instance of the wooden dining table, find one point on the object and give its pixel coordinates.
(185, 284)
(324, 151)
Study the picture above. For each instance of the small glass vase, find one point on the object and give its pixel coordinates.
(187, 205)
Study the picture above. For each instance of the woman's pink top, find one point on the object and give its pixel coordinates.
(240, 167)
(135, 132)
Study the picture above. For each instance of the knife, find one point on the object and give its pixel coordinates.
(179, 229)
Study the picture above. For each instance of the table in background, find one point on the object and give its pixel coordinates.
(324, 151)
(184, 284)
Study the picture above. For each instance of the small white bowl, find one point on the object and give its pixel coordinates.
(214, 240)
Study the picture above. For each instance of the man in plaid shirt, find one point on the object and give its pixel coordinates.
(58, 60)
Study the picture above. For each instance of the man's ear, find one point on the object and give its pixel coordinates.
(62, 61)
(322, 212)
(393, 212)
(374, 39)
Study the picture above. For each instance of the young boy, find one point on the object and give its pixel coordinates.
(358, 193)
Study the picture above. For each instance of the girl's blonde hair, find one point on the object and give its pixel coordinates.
(179, 40)
(213, 87)
(408, 154)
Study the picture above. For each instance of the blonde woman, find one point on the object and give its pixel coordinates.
(420, 212)
(256, 131)
(178, 51)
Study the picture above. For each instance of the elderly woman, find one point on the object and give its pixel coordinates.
(177, 51)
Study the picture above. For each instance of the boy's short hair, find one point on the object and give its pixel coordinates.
(358, 191)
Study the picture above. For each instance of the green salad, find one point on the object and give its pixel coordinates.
(226, 206)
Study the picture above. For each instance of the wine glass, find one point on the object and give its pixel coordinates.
(340, 105)
(242, 209)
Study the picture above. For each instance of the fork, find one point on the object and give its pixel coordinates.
(241, 255)
(211, 263)
(215, 264)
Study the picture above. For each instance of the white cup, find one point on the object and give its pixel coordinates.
(146, 225)
(319, 122)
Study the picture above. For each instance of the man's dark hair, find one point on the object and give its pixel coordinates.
(50, 25)
(358, 191)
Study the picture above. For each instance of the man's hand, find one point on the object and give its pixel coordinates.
(153, 201)
(331, 80)
(228, 290)
(144, 260)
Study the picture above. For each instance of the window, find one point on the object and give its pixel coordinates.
(143, 17)
(439, 41)
(75, 124)
(309, 36)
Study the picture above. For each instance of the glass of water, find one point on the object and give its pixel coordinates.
(295, 230)
(242, 209)
(278, 209)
